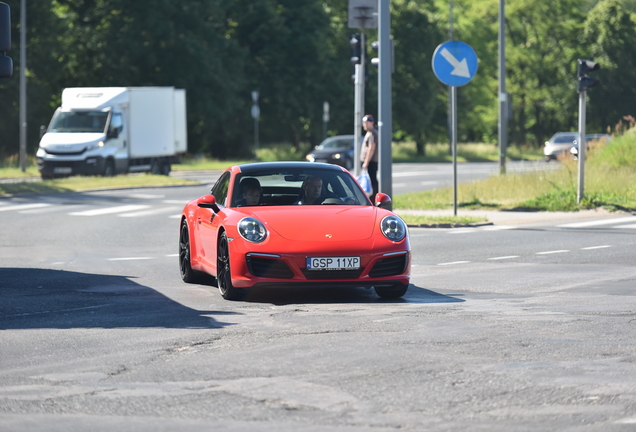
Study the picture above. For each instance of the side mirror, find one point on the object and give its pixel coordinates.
(208, 201)
(113, 133)
(42, 131)
(383, 201)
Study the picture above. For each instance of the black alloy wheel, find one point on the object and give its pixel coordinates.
(224, 276)
(187, 274)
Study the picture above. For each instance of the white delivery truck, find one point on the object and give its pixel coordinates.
(111, 130)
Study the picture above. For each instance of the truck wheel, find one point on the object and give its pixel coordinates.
(165, 168)
(154, 167)
(109, 169)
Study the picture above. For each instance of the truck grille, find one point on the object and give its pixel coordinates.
(65, 153)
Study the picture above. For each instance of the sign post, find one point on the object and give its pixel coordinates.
(325, 119)
(256, 113)
(454, 64)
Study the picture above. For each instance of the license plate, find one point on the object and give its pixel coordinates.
(333, 263)
(62, 170)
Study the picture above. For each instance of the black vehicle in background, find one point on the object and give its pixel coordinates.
(337, 150)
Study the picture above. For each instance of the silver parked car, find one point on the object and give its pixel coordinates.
(561, 142)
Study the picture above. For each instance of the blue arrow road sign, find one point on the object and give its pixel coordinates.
(454, 63)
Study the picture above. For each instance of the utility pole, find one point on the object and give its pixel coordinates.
(23, 98)
(503, 96)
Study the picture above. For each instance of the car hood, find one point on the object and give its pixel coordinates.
(314, 223)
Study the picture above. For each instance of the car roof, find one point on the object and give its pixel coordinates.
(257, 166)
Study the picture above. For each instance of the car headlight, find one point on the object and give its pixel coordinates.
(336, 156)
(393, 228)
(252, 230)
(310, 158)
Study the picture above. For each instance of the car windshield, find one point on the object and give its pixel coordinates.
(79, 121)
(564, 139)
(332, 143)
(284, 187)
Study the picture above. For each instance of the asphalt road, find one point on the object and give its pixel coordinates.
(505, 327)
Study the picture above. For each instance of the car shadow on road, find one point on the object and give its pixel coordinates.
(39, 298)
(324, 295)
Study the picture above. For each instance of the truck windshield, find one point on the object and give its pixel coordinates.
(79, 121)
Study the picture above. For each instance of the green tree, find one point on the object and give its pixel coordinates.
(42, 73)
(416, 33)
(541, 59)
(610, 36)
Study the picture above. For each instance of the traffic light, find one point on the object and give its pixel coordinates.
(356, 48)
(6, 64)
(585, 81)
(375, 46)
(356, 54)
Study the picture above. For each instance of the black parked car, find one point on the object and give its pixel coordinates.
(337, 150)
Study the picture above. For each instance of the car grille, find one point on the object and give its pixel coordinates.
(332, 274)
(391, 266)
(269, 268)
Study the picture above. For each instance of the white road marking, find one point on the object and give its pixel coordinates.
(453, 263)
(462, 231)
(109, 210)
(552, 252)
(145, 196)
(19, 207)
(504, 257)
(596, 247)
(149, 212)
(598, 222)
(178, 216)
(172, 255)
(130, 258)
(626, 226)
(498, 227)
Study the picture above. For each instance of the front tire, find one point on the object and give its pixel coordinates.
(391, 292)
(109, 169)
(187, 274)
(224, 275)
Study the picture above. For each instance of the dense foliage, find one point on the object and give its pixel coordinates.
(296, 54)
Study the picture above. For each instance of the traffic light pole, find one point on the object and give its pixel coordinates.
(385, 109)
(357, 115)
(582, 146)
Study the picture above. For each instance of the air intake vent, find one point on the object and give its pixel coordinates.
(269, 268)
(391, 266)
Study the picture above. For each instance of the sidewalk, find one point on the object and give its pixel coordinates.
(518, 217)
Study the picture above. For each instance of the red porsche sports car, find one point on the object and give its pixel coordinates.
(279, 224)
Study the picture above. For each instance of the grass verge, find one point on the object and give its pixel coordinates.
(82, 184)
(610, 183)
(441, 221)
